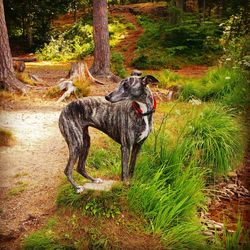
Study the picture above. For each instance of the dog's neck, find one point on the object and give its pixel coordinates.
(146, 98)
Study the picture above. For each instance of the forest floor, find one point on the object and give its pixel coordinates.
(32, 169)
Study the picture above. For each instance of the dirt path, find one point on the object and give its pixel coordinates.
(30, 170)
(129, 44)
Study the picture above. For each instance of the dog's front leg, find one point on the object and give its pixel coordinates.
(135, 150)
(125, 152)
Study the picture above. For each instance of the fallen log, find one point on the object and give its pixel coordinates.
(24, 59)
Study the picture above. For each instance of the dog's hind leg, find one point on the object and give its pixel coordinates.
(83, 156)
(73, 155)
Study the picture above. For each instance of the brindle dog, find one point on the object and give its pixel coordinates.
(125, 115)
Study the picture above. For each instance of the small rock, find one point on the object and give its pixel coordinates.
(106, 185)
(208, 233)
(232, 174)
(231, 186)
(217, 227)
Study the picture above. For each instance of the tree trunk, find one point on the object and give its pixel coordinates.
(8, 79)
(101, 65)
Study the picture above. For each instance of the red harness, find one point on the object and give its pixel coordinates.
(138, 111)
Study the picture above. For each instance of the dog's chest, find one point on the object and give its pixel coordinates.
(146, 129)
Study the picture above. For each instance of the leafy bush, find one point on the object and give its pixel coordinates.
(166, 45)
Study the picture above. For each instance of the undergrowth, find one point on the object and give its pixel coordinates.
(173, 45)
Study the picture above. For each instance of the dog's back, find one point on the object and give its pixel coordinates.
(115, 119)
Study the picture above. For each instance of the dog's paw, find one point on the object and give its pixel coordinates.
(98, 180)
(80, 189)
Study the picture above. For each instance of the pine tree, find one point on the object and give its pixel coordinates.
(8, 79)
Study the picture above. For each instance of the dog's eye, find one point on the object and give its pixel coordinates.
(126, 85)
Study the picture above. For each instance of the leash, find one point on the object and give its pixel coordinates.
(137, 109)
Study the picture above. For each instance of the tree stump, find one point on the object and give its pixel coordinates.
(79, 73)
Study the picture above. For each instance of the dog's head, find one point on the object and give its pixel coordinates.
(130, 88)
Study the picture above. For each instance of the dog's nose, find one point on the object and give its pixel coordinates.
(107, 97)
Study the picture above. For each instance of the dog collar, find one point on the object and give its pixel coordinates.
(137, 109)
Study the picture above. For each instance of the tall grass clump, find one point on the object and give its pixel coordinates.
(214, 139)
(168, 195)
(223, 84)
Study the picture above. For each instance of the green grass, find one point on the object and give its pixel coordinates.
(214, 139)
(45, 239)
(92, 203)
(173, 170)
(169, 196)
(18, 188)
(105, 160)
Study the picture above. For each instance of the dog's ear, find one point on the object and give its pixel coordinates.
(149, 79)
